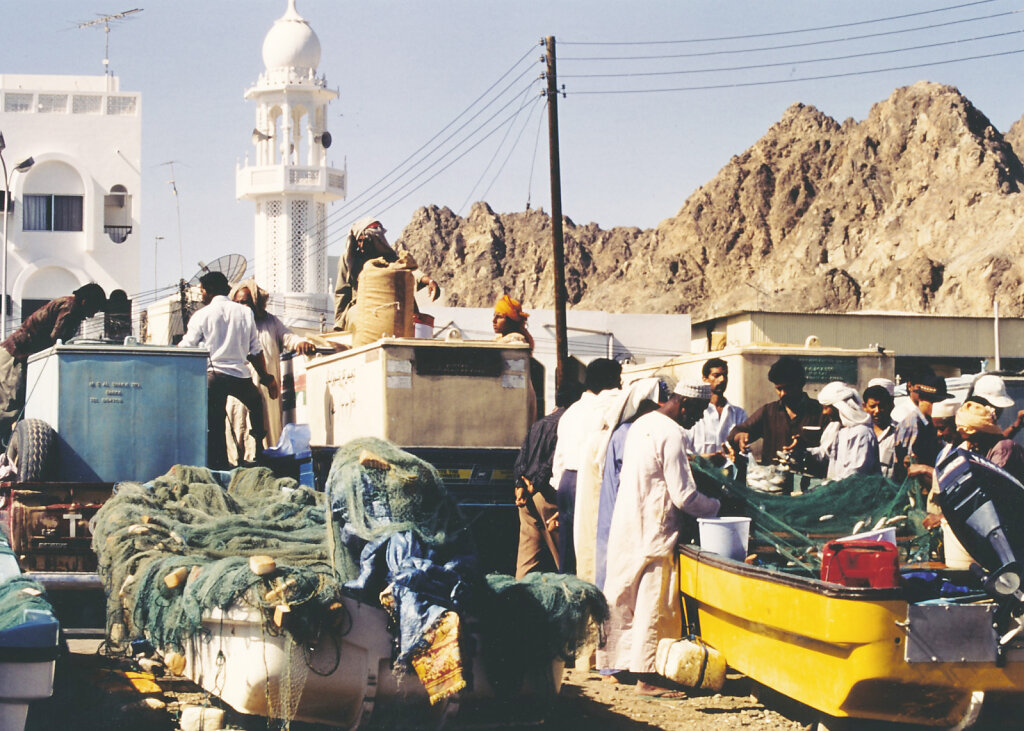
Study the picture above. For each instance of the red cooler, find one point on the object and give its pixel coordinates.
(873, 564)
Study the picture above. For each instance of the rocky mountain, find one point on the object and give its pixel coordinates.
(918, 207)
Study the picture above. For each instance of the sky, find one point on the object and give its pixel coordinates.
(634, 144)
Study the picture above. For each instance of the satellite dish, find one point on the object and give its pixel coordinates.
(233, 266)
(324, 139)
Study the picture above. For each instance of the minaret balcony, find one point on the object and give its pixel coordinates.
(253, 182)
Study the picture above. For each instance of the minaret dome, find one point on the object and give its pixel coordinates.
(291, 43)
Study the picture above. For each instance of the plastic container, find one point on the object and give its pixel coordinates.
(423, 325)
(881, 534)
(691, 662)
(725, 536)
(953, 550)
(860, 563)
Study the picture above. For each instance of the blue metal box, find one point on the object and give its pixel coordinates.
(120, 412)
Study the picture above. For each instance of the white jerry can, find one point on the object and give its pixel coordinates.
(691, 662)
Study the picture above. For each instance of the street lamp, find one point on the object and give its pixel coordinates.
(19, 168)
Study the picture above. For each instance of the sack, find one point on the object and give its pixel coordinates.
(385, 301)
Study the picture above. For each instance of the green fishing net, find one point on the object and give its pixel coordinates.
(18, 595)
(799, 525)
(186, 518)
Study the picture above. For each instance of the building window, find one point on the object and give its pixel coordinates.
(53, 103)
(81, 104)
(17, 102)
(121, 105)
(52, 213)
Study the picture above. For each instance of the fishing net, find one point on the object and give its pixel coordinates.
(17, 596)
(204, 526)
(799, 525)
(190, 519)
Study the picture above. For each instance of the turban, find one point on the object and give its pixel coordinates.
(367, 225)
(846, 401)
(945, 409)
(887, 383)
(511, 309)
(974, 417)
(694, 390)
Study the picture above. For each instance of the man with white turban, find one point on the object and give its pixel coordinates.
(854, 450)
(656, 493)
(365, 242)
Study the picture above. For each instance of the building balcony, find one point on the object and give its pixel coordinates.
(327, 184)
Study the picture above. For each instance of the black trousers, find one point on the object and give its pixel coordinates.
(219, 387)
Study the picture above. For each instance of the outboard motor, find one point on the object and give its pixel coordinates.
(982, 504)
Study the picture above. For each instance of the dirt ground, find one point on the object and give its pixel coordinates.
(92, 693)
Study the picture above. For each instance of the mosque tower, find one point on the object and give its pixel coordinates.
(289, 180)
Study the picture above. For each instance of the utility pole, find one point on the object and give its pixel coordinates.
(561, 341)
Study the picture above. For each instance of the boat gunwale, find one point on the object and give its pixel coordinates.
(817, 586)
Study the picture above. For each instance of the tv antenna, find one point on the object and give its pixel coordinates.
(233, 266)
(105, 20)
(177, 207)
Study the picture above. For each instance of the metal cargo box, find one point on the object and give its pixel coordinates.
(421, 393)
(120, 412)
(48, 523)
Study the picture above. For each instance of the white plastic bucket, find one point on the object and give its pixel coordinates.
(956, 555)
(725, 536)
(879, 534)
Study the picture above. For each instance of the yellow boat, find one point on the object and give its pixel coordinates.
(849, 652)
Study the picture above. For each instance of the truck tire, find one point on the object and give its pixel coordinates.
(31, 450)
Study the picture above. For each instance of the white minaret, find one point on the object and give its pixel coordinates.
(289, 180)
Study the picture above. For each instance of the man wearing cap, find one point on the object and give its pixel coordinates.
(656, 494)
(990, 389)
(780, 424)
(916, 438)
(878, 403)
(365, 241)
(943, 417)
(711, 433)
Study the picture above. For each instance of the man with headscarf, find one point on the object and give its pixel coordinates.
(509, 324)
(854, 449)
(365, 242)
(275, 338)
(59, 319)
(657, 495)
(977, 424)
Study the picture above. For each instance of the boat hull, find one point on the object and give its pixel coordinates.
(347, 675)
(837, 649)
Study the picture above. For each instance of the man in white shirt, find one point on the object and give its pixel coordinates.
(709, 435)
(228, 330)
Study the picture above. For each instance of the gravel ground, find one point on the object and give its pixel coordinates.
(92, 694)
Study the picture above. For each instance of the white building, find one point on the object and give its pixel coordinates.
(289, 179)
(74, 216)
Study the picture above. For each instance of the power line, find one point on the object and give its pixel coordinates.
(512, 149)
(794, 62)
(390, 198)
(494, 157)
(768, 34)
(400, 165)
(786, 46)
(773, 82)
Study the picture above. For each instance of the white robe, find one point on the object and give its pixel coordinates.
(275, 338)
(642, 587)
(709, 434)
